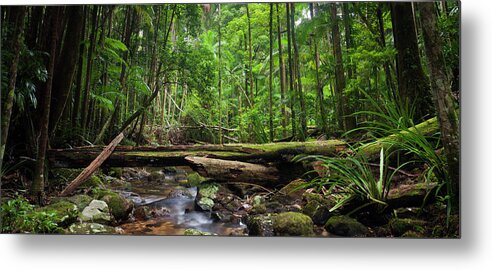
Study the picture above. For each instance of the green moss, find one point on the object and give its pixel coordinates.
(195, 179)
(119, 206)
(80, 200)
(93, 182)
(400, 226)
(293, 224)
(116, 172)
(66, 212)
(345, 226)
(195, 232)
(208, 190)
(91, 228)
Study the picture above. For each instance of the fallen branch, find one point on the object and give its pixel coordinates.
(95, 164)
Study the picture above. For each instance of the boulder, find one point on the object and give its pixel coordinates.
(66, 212)
(97, 211)
(317, 208)
(93, 182)
(260, 225)
(292, 224)
(195, 179)
(207, 192)
(345, 226)
(399, 226)
(119, 206)
(92, 228)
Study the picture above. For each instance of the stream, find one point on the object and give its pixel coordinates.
(170, 205)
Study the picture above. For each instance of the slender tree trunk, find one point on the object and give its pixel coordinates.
(282, 75)
(350, 119)
(319, 85)
(18, 13)
(302, 114)
(291, 73)
(270, 91)
(250, 51)
(88, 77)
(412, 83)
(443, 99)
(37, 189)
(339, 72)
(220, 82)
(382, 42)
(80, 73)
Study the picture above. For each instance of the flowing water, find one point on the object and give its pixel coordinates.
(172, 208)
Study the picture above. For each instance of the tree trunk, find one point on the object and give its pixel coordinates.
(80, 73)
(270, 89)
(220, 82)
(282, 75)
(37, 189)
(350, 119)
(66, 64)
(302, 114)
(412, 83)
(443, 100)
(342, 111)
(250, 51)
(18, 14)
(291, 74)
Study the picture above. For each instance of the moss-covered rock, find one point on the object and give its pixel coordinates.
(412, 234)
(345, 226)
(195, 232)
(400, 226)
(115, 172)
(207, 192)
(293, 224)
(195, 179)
(91, 228)
(66, 212)
(318, 212)
(260, 225)
(119, 206)
(93, 182)
(80, 200)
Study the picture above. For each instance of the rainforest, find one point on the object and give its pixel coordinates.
(323, 119)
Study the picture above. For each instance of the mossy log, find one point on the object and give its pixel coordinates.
(234, 171)
(371, 150)
(126, 156)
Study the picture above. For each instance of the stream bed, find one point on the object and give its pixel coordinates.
(169, 206)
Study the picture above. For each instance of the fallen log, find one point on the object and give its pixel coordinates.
(371, 150)
(95, 164)
(161, 156)
(233, 171)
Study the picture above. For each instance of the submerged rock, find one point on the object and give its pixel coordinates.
(97, 211)
(92, 228)
(293, 224)
(345, 226)
(195, 232)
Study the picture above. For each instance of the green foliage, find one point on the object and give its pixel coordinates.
(18, 216)
(354, 178)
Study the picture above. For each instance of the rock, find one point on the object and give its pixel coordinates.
(80, 200)
(66, 212)
(290, 193)
(92, 228)
(196, 232)
(180, 193)
(260, 225)
(97, 211)
(412, 234)
(195, 179)
(116, 172)
(345, 226)
(259, 209)
(207, 192)
(142, 213)
(119, 206)
(93, 182)
(318, 212)
(400, 226)
(156, 176)
(293, 224)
